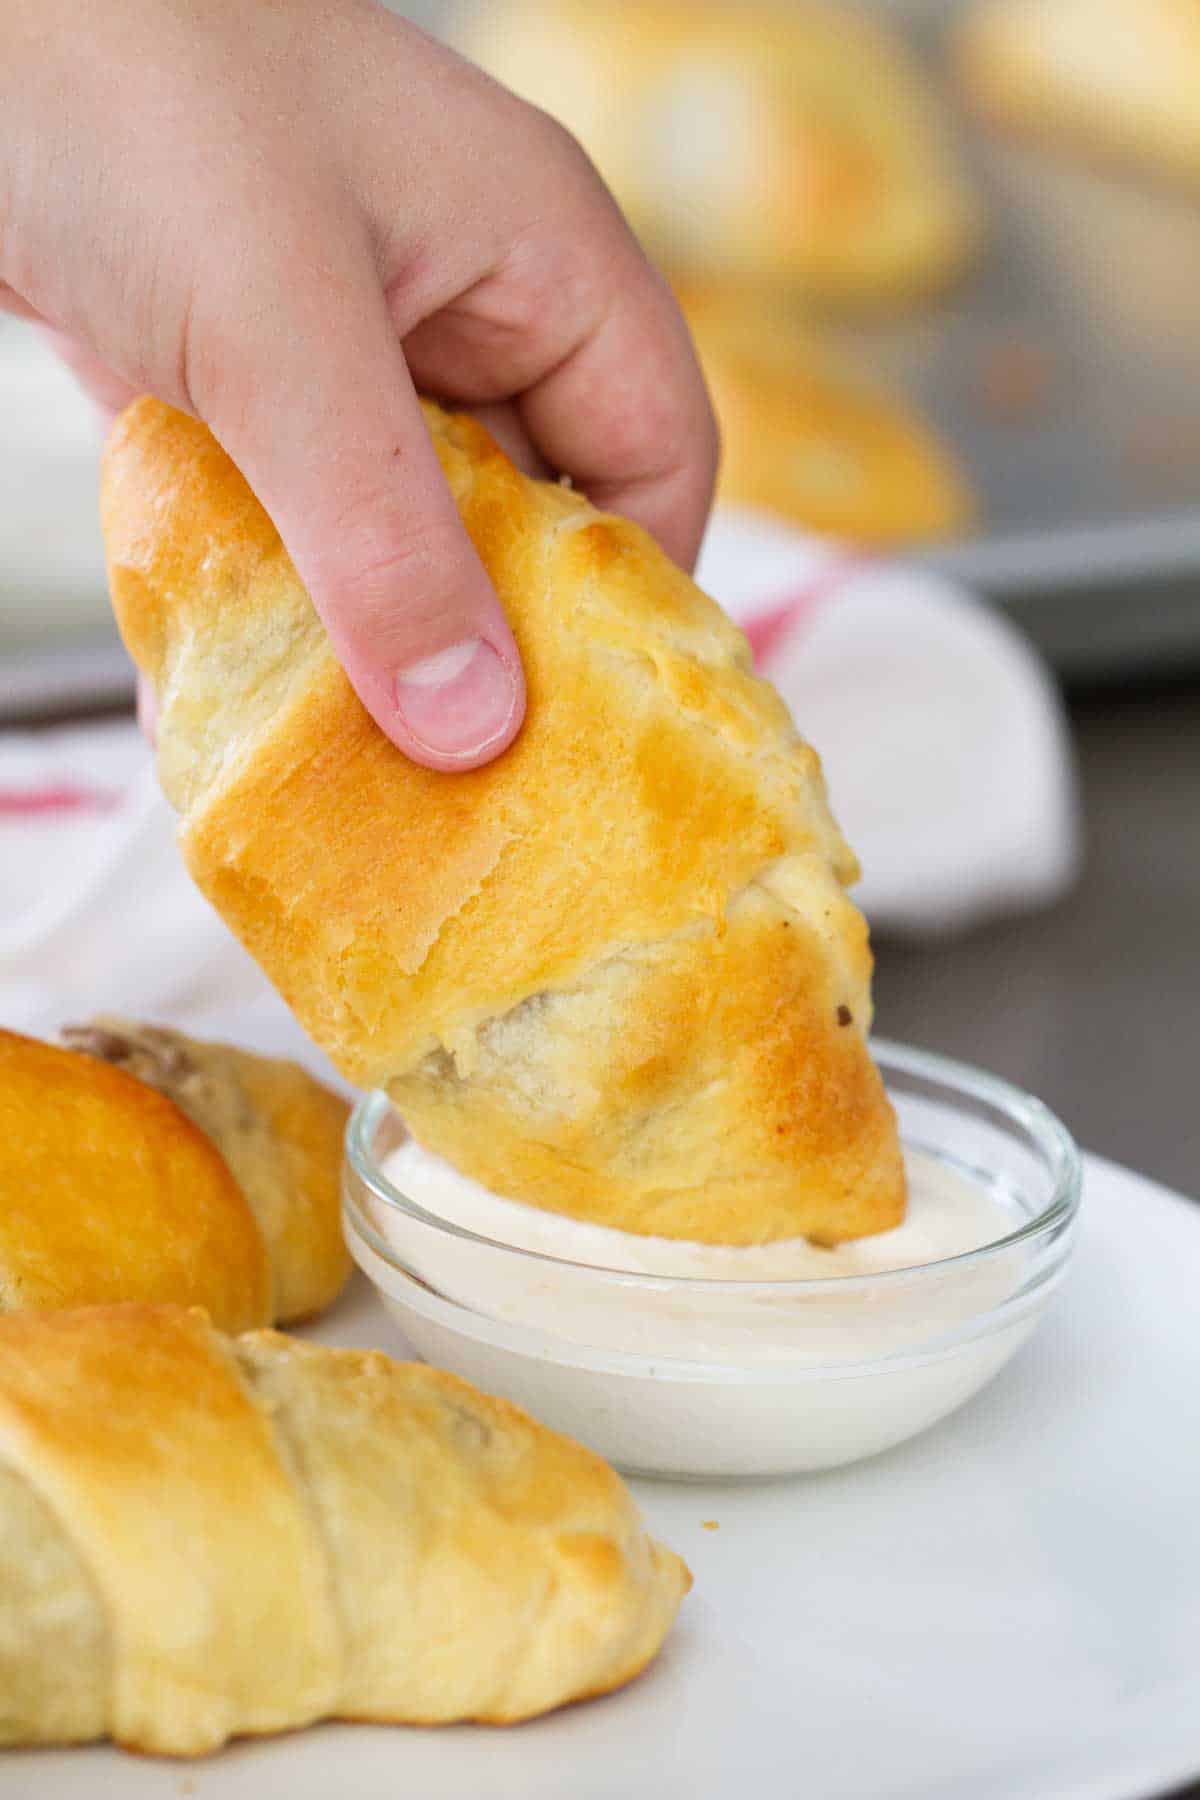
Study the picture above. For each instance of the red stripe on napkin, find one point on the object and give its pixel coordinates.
(56, 799)
(768, 628)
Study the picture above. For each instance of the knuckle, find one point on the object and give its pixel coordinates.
(551, 297)
(568, 185)
(557, 142)
(708, 444)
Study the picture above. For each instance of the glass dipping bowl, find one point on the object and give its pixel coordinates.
(703, 1379)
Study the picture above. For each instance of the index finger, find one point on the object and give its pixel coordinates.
(627, 415)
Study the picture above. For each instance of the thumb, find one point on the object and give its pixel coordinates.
(308, 391)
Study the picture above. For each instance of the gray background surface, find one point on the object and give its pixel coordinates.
(1095, 1004)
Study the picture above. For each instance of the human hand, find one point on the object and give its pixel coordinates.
(285, 216)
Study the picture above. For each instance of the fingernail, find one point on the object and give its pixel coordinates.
(458, 702)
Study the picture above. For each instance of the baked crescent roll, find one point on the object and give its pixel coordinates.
(811, 440)
(204, 1537)
(109, 1191)
(792, 142)
(279, 1130)
(615, 973)
(1119, 77)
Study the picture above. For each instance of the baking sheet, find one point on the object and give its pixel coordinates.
(1065, 370)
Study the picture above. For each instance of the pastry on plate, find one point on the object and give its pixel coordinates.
(808, 438)
(204, 1537)
(792, 142)
(1119, 78)
(143, 1165)
(279, 1130)
(615, 973)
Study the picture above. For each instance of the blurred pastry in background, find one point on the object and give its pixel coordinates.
(806, 437)
(794, 143)
(1119, 78)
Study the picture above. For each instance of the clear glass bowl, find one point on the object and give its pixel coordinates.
(701, 1378)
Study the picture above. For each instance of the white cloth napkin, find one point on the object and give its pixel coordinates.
(940, 732)
(943, 738)
(96, 910)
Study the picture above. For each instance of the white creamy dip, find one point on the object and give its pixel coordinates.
(708, 1303)
(947, 1216)
(710, 1361)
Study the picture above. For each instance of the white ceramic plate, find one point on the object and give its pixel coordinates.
(1006, 1609)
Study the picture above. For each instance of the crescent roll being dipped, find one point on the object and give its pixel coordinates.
(614, 974)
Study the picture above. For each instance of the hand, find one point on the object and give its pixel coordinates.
(285, 216)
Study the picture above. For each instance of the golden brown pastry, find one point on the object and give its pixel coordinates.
(202, 1538)
(280, 1132)
(614, 973)
(109, 1191)
(789, 142)
(1118, 77)
(806, 438)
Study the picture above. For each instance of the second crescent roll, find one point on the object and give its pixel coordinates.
(204, 1537)
(139, 1164)
(109, 1192)
(615, 973)
(279, 1130)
